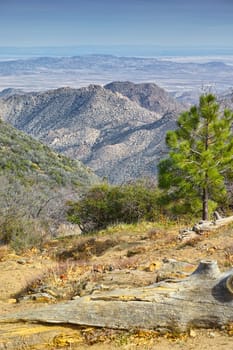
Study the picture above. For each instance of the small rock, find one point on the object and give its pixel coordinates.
(38, 297)
(152, 267)
(192, 333)
(163, 330)
(212, 335)
(50, 292)
(167, 260)
(21, 262)
(11, 301)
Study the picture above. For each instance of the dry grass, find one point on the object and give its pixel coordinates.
(80, 263)
(86, 248)
(4, 251)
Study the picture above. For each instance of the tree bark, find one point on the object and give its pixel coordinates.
(203, 300)
(205, 209)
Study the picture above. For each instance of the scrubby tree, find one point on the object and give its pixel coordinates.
(30, 213)
(200, 159)
(106, 204)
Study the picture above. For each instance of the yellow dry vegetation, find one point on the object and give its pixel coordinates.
(133, 254)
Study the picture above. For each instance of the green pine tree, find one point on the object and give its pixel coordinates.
(200, 159)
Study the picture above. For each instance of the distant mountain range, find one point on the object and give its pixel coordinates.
(183, 77)
(117, 130)
(107, 128)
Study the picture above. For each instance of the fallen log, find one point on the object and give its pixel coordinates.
(204, 226)
(202, 300)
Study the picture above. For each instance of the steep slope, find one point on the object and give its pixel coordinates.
(113, 135)
(35, 185)
(147, 95)
(31, 162)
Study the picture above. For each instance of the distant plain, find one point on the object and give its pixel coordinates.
(176, 74)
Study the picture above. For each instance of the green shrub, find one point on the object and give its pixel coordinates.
(105, 205)
(21, 233)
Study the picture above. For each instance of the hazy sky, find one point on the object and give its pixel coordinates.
(116, 22)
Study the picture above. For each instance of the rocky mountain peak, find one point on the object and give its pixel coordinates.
(117, 130)
(147, 95)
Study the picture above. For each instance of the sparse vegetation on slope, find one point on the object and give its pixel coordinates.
(35, 182)
(32, 162)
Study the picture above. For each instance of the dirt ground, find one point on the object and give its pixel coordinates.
(77, 265)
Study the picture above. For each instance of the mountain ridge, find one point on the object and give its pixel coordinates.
(114, 135)
(176, 74)
(146, 95)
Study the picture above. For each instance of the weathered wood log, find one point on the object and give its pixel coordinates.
(204, 299)
(216, 215)
(204, 226)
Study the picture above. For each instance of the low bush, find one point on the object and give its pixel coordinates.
(28, 213)
(105, 205)
(21, 233)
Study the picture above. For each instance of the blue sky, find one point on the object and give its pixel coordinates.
(116, 22)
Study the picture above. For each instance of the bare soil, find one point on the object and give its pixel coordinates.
(76, 265)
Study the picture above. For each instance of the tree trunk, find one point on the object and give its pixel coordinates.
(205, 209)
(203, 300)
